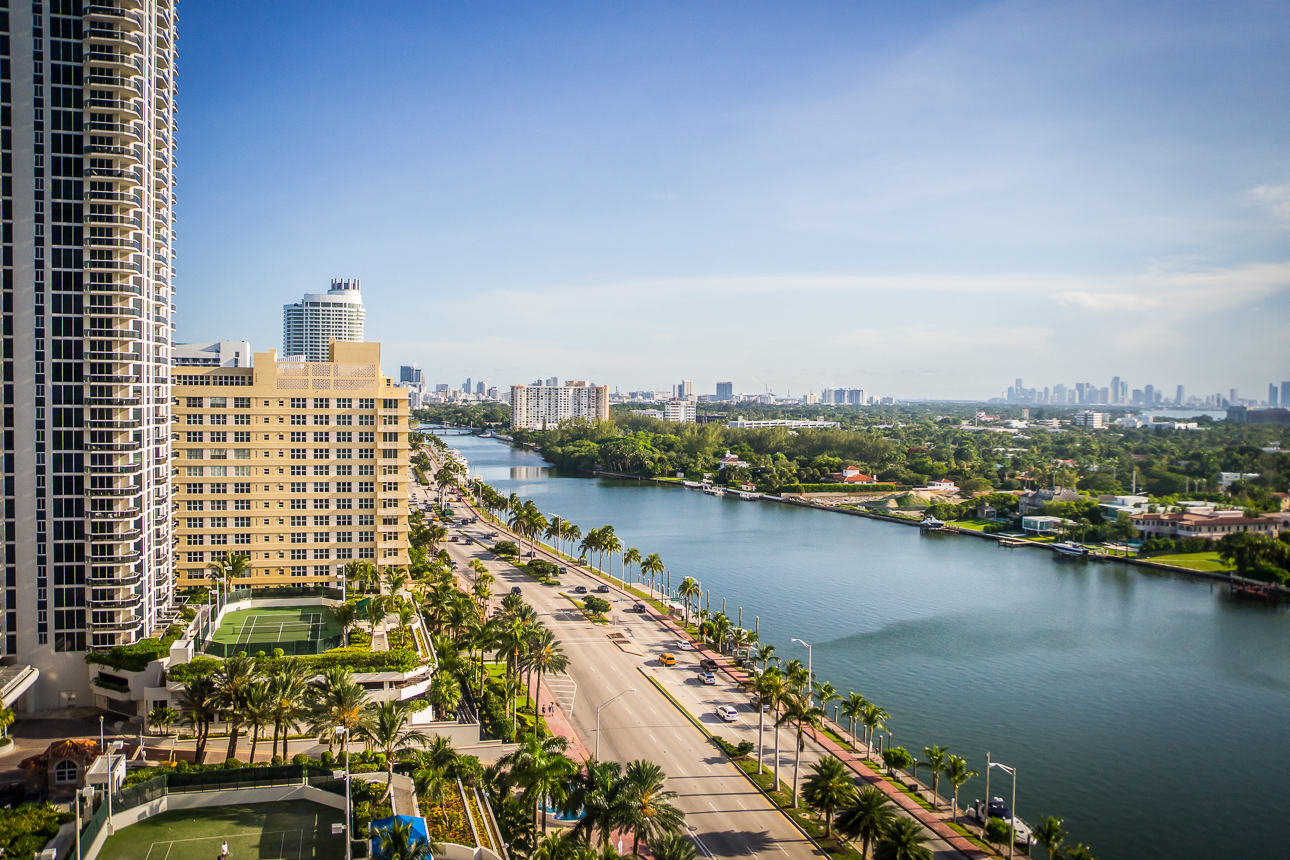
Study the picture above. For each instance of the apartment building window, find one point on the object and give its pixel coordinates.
(322, 504)
(219, 489)
(367, 537)
(299, 471)
(193, 504)
(299, 554)
(242, 403)
(344, 403)
(366, 436)
(299, 486)
(193, 418)
(241, 436)
(344, 537)
(367, 552)
(322, 420)
(299, 436)
(194, 436)
(389, 404)
(344, 504)
(367, 421)
(195, 540)
(344, 487)
(299, 570)
(300, 453)
(242, 488)
(193, 402)
(322, 470)
(320, 554)
(322, 520)
(322, 569)
(322, 487)
(219, 419)
(322, 453)
(367, 403)
(300, 537)
(299, 504)
(322, 403)
(367, 502)
(299, 420)
(194, 489)
(300, 403)
(241, 538)
(344, 420)
(344, 552)
(366, 519)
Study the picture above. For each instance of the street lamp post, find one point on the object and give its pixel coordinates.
(601, 708)
(810, 669)
(349, 818)
(1012, 822)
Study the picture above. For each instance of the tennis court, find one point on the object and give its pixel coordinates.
(294, 629)
(286, 830)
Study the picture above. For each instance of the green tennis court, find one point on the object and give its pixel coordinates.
(270, 627)
(286, 830)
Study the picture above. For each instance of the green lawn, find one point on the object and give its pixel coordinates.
(1208, 562)
(259, 831)
(974, 525)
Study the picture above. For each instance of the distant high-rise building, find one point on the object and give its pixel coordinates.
(553, 381)
(539, 407)
(411, 373)
(1115, 389)
(1018, 385)
(1285, 395)
(725, 391)
(1148, 395)
(311, 324)
(1272, 394)
(1182, 393)
(684, 390)
(1232, 398)
(480, 387)
(1059, 393)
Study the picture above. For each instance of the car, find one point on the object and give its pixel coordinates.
(708, 678)
(638, 607)
(528, 554)
(564, 569)
(667, 659)
(600, 589)
(515, 589)
(580, 589)
(755, 700)
(685, 646)
(708, 664)
(728, 713)
(466, 540)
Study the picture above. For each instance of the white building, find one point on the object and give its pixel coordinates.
(538, 407)
(1085, 418)
(220, 353)
(311, 324)
(679, 411)
(792, 424)
(88, 326)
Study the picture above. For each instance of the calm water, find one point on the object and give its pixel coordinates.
(1151, 712)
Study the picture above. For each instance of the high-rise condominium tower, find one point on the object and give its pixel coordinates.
(87, 133)
(311, 324)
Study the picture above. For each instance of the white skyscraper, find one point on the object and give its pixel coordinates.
(311, 324)
(88, 302)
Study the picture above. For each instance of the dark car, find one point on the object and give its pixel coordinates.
(602, 589)
(564, 570)
(638, 607)
(515, 589)
(528, 555)
(580, 589)
(708, 664)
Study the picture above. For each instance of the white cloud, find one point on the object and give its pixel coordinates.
(1274, 198)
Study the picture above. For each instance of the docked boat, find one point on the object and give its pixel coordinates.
(714, 491)
(749, 497)
(694, 485)
(998, 809)
(932, 523)
(1070, 548)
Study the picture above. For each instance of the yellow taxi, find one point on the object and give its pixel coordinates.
(667, 659)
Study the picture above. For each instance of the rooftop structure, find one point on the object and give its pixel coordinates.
(309, 325)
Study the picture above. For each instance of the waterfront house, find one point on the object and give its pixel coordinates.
(942, 486)
(1044, 525)
(852, 475)
(1206, 523)
(1033, 501)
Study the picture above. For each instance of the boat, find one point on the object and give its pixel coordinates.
(714, 491)
(998, 809)
(749, 497)
(1070, 548)
(932, 523)
(694, 485)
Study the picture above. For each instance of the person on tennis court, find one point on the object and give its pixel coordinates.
(223, 849)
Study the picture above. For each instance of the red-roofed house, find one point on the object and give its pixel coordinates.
(852, 475)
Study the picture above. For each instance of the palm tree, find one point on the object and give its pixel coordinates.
(1048, 834)
(258, 711)
(765, 654)
(672, 846)
(689, 590)
(595, 790)
(395, 579)
(826, 693)
(903, 841)
(721, 627)
(937, 758)
(872, 718)
(828, 787)
(390, 732)
(432, 784)
(398, 843)
(543, 770)
(653, 565)
(197, 701)
(647, 803)
(552, 532)
(630, 557)
(162, 716)
(769, 688)
(572, 533)
(288, 693)
(444, 694)
(866, 817)
(232, 682)
(1079, 852)
(957, 772)
(852, 708)
(346, 616)
(545, 656)
(375, 612)
(609, 543)
(800, 710)
(7, 717)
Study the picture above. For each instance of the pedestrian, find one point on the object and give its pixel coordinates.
(223, 849)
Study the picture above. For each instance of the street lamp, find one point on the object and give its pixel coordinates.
(349, 818)
(1012, 810)
(810, 656)
(88, 793)
(340, 575)
(601, 708)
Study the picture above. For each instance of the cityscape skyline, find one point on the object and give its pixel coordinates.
(964, 185)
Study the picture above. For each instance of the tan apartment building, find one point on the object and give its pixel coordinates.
(300, 465)
(540, 407)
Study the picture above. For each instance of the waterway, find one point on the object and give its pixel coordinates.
(1150, 711)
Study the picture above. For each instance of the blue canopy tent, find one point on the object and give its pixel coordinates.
(416, 832)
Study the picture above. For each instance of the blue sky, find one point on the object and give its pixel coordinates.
(921, 199)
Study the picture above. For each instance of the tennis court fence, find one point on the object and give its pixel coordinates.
(290, 647)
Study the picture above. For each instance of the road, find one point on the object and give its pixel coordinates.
(726, 814)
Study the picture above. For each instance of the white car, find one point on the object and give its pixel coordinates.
(728, 713)
(685, 645)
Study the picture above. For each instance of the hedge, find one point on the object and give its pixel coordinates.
(25, 830)
(135, 657)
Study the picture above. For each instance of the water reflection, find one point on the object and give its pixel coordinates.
(529, 473)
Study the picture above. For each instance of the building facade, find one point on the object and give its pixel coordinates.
(312, 323)
(537, 407)
(300, 466)
(679, 411)
(725, 391)
(220, 353)
(88, 164)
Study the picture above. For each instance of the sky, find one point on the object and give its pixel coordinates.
(922, 199)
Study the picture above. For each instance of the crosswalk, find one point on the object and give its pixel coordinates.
(563, 689)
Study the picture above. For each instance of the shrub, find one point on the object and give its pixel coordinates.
(505, 548)
(541, 569)
(327, 758)
(596, 604)
(136, 656)
(300, 758)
